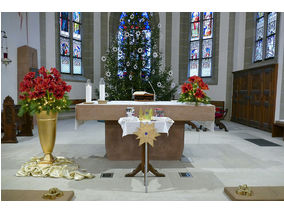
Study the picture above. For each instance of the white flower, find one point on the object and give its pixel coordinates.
(126, 34)
(138, 33)
(143, 62)
(170, 73)
(121, 77)
(155, 55)
(103, 58)
(159, 84)
(120, 52)
(132, 16)
(173, 85)
(130, 77)
(168, 78)
(106, 94)
(114, 49)
(147, 77)
(108, 74)
(140, 50)
(135, 67)
(128, 63)
(159, 25)
(121, 20)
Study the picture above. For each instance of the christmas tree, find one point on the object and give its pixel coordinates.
(133, 60)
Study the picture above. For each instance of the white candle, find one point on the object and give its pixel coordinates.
(102, 92)
(88, 93)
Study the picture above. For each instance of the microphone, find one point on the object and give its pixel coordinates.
(152, 89)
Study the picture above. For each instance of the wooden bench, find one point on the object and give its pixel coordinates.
(278, 129)
(220, 114)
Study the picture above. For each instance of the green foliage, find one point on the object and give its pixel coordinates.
(49, 104)
(127, 68)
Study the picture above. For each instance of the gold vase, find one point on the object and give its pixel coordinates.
(47, 133)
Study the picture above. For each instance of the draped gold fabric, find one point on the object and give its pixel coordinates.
(61, 168)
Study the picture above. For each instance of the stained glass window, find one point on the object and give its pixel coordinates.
(201, 46)
(133, 26)
(70, 43)
(265, 39)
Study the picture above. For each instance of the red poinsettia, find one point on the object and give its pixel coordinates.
(47, 92)
(193, 91)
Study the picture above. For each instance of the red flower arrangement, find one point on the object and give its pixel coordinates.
(193, 91)
(46, 92)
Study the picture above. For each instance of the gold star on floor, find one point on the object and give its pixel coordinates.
(146, 134)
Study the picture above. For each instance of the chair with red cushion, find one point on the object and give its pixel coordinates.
(220, 114)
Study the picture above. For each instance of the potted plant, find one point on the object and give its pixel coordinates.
(193, 92)
(44, 95)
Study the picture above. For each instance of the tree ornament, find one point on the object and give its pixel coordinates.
(146, 133)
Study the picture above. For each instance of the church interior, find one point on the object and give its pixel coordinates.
(92, 100)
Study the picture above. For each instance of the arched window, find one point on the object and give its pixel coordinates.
(265, 36)
(200, 44)
(131, 38)
(70, 43)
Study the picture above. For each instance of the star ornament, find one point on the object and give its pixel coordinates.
(146, 134)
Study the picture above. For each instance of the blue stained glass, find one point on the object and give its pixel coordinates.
(64, 15)
(259, 14)
(271, 25)
(270, 47)
(77, 66)
(207, 48)
(77, 16)
(207, 28)
(77, 49)
(194, 50)
(258, 51)
(195, 16)
(129, 30)
(65, 64)
(259, 29)
(207, 15)
(64, 46)
(64, 27)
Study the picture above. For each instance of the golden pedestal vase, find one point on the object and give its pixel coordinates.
(47, 134)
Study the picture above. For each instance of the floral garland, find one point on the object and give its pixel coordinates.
(46, 92)
(193, 91)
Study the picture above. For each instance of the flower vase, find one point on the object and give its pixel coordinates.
(47, 133)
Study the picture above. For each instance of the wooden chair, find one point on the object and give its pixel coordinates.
(220, 114)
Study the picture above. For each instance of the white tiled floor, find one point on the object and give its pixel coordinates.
(215, 160)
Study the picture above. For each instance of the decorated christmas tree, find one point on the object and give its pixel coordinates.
(133, 60)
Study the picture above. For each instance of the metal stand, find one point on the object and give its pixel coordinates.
(146, 169)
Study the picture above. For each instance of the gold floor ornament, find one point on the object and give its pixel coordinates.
(146, 134)
(61, 168)
(47, 134)
(52, 194)
(244, 190)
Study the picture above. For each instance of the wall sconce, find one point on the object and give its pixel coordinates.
(4, 49)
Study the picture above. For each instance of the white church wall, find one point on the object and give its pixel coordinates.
(279, 107)
(239, 41)
(175, 46)
(17, 37)
(218, 92)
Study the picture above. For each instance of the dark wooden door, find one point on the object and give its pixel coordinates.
(254, 93)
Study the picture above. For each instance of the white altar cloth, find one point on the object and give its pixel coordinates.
(130, 125)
